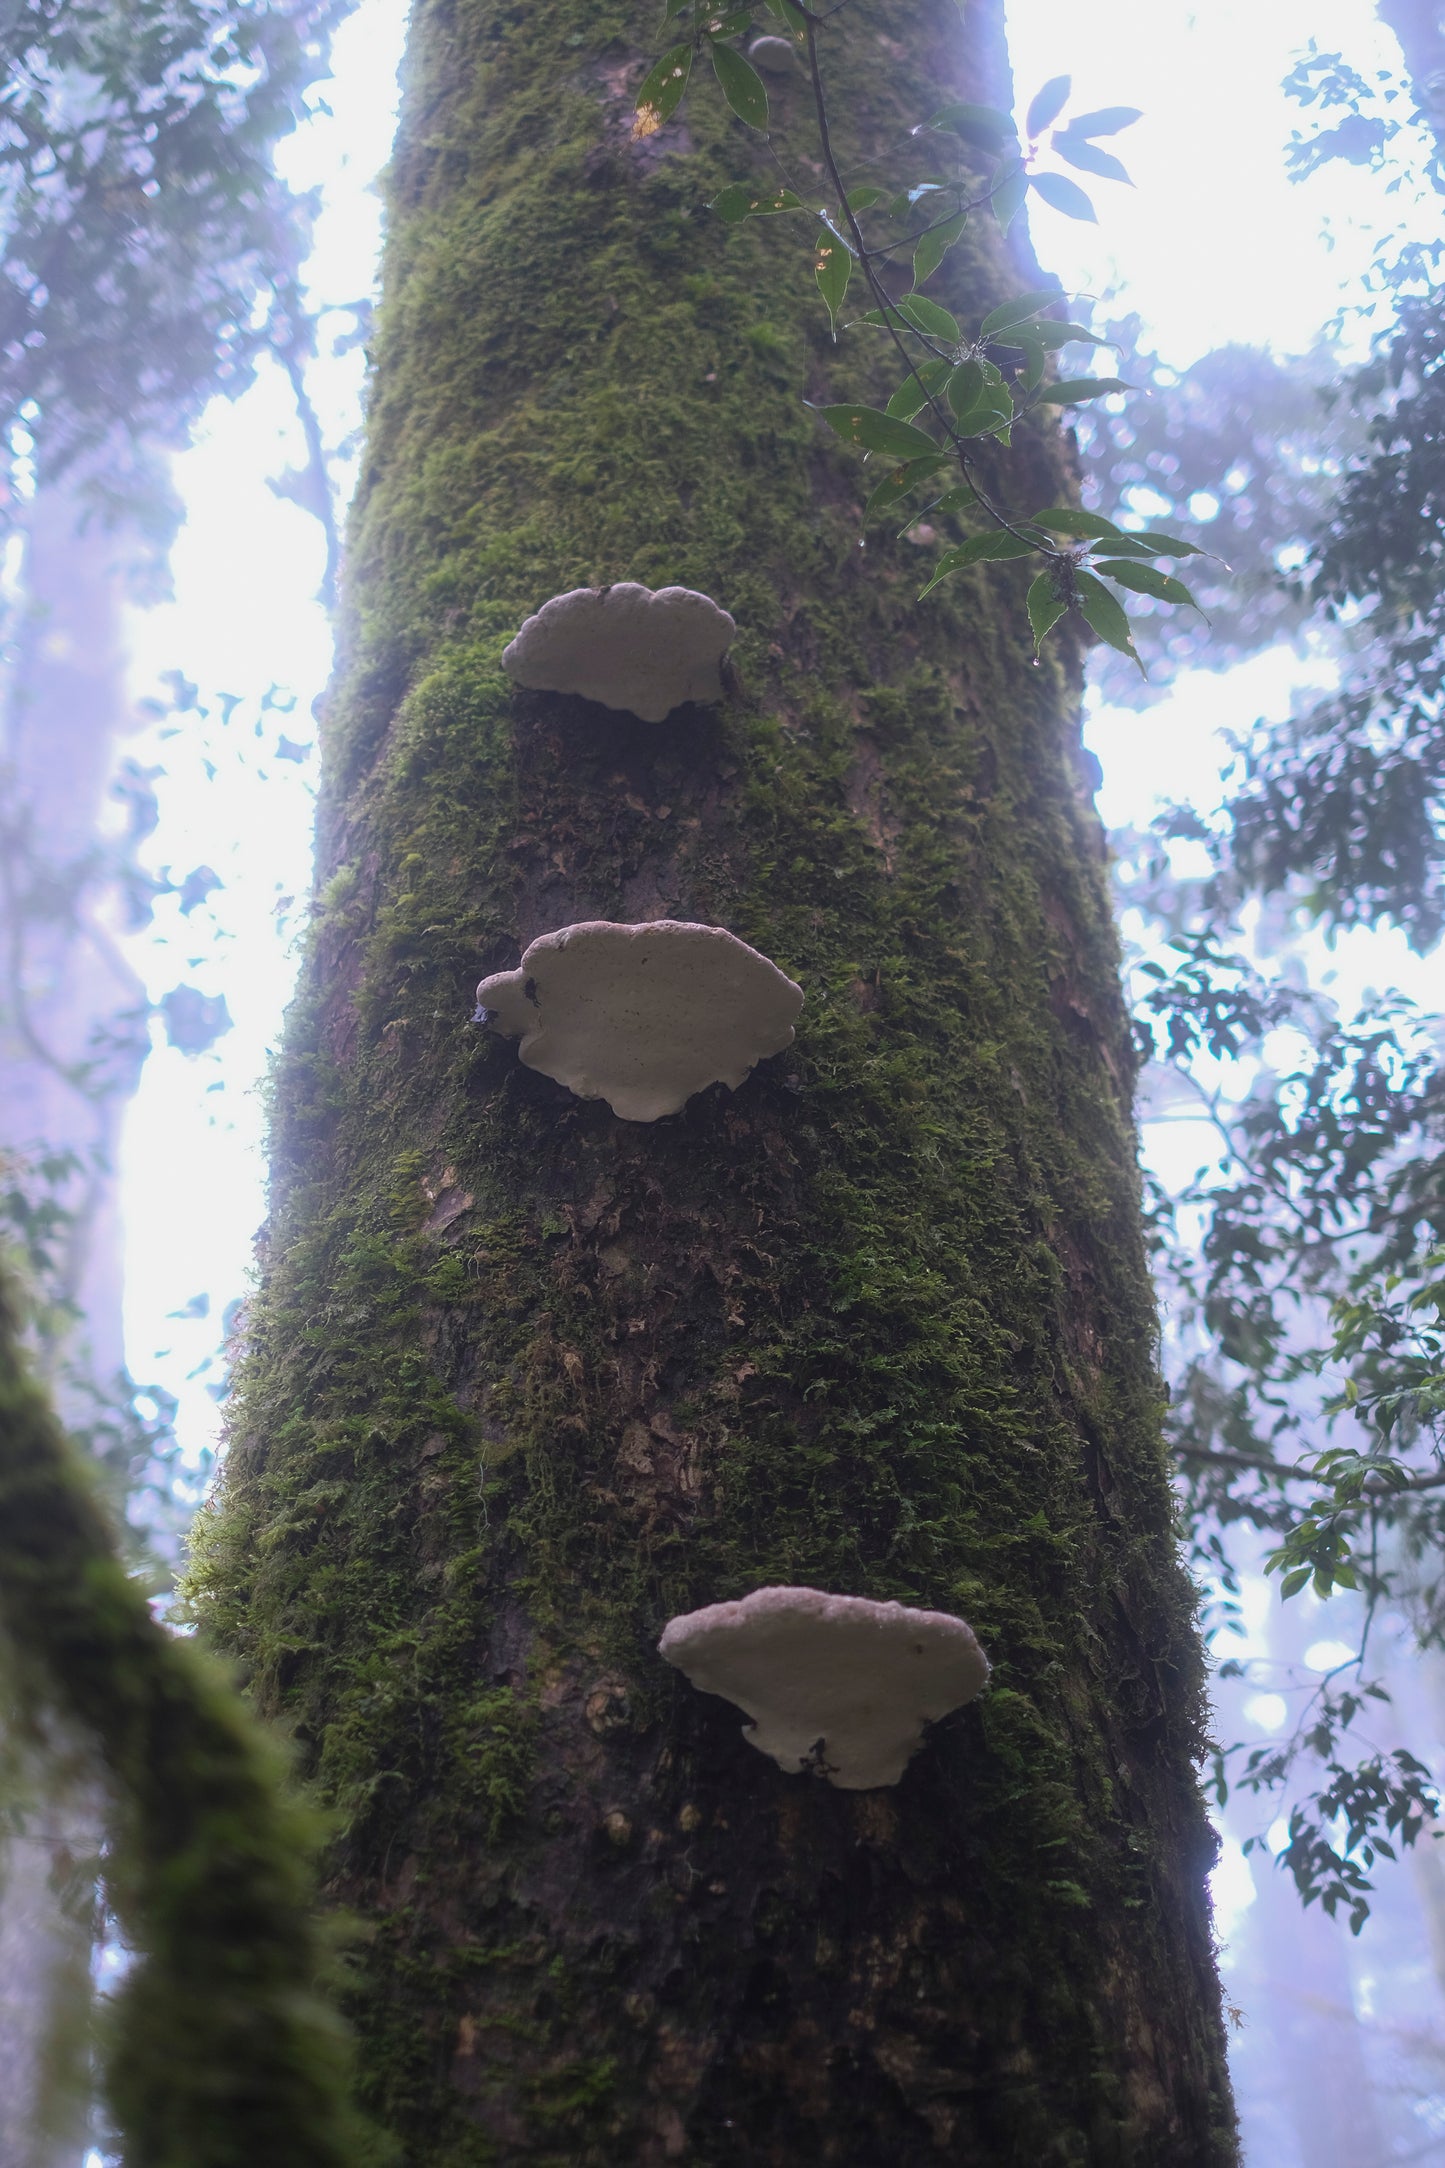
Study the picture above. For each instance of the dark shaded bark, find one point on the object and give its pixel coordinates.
(525, 1380)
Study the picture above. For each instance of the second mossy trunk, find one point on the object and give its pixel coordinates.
(524, 1380)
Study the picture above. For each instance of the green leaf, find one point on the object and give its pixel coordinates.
(675, 7)
(980, 124)
(788, 14)
(935, 245)
(1045, 608)
(833, 267)
(1166, 545)
(979, 549)
(1104, 615)
(919, 190)
(1089, 159)
(662, 89)
(954, 500)
(1007, 195)
(1070, 519)
(914, 392)
(1035, 359)
(915, 312)
(1017, 311)
(1124, 545)
(1055, 334)
(877, 432)
(965, 387)
(991, 414)
(863, 199)
(741, 200)
(928, 317)
(1293, 1582)
(728, 24)
(1107, 121)
(742, 86)
(1074, 390)
(1064, 195)
(1047, 104)
(1147, 580)
(991, 402)
(897, 485)
(1141, 543)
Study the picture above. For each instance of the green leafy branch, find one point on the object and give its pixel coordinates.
(1365, 1811)
(968, 387)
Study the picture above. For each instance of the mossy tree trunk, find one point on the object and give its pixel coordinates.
(524, 1380)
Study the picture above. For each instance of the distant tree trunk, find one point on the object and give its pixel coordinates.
(62, 984)
(524, 1380)
(70, 1051)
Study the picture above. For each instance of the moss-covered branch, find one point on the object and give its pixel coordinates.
(221, 2052)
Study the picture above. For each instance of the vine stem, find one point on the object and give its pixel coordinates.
(885, 303)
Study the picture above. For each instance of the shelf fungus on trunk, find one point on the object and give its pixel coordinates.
(775, 56)
(626, 647)
(836, 1686)
(642, 1016)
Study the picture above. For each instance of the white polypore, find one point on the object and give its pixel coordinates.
(838, 1685)
(775, 56)
(643, 1016)
(626, 647)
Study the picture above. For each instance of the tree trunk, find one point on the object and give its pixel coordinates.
(524, 1380)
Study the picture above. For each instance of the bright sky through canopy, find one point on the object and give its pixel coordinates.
(1212, 244)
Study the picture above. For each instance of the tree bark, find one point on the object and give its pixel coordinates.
(524, 1380)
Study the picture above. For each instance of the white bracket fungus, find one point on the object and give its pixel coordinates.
(837, 1685)
(642, 1016)
(775, 56)
(625, 647)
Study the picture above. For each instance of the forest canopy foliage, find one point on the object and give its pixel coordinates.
(150, 250)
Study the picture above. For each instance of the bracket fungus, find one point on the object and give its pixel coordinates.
(838, 1685)
(642, 1016)
(775, 56)
(626, 647)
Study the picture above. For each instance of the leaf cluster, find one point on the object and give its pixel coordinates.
(962, 387)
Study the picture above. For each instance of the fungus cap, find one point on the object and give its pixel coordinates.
(642, 1016)
(775, 56)
(836, 1684)
(625, 646)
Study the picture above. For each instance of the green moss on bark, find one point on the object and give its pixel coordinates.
(524, 1380)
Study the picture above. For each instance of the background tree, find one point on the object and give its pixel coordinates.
(150, 258)
(1302, 1266)
(524, 1379)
